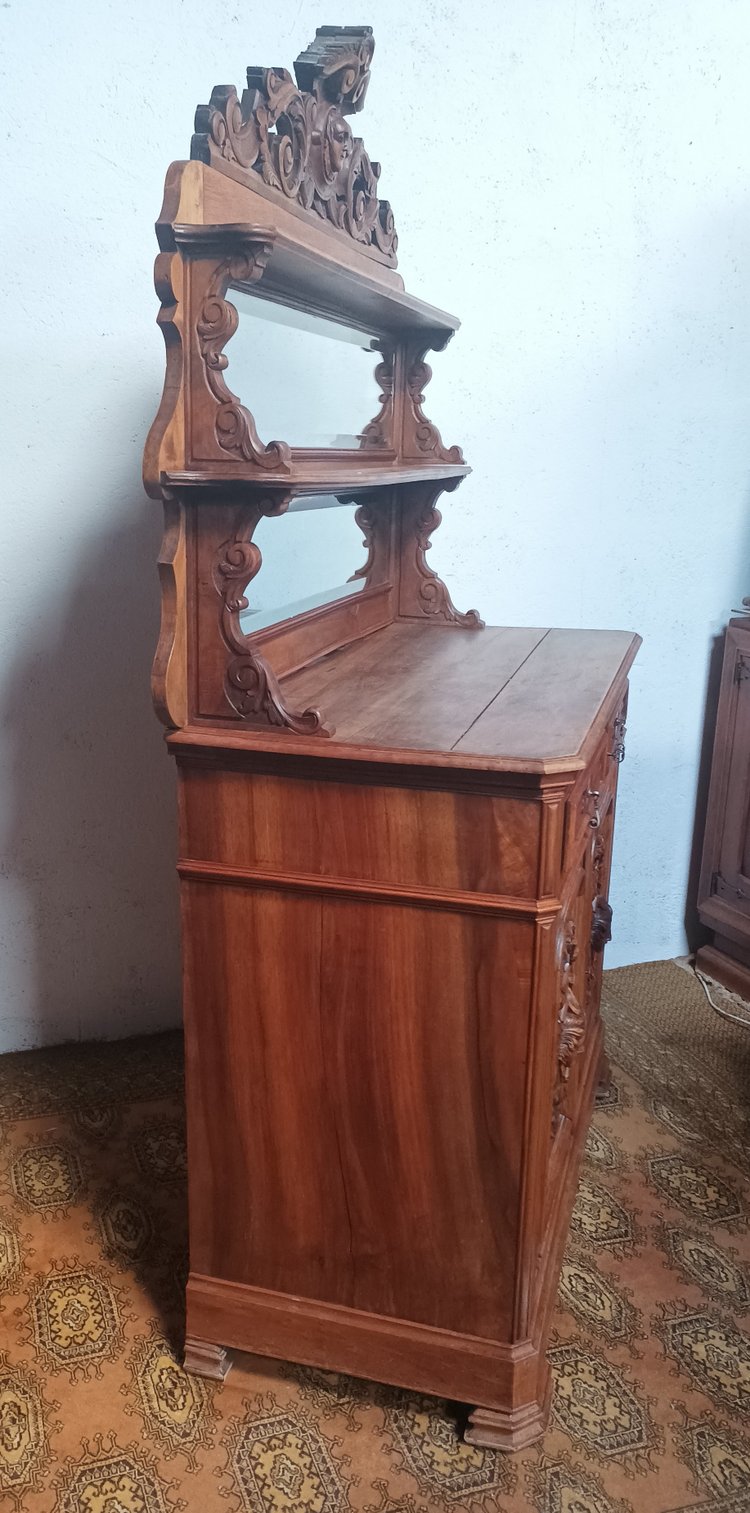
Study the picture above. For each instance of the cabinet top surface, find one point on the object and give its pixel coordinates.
(499, 699)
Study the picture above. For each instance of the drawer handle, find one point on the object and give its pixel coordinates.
(618, 749)
(601, 929)
(595, 819)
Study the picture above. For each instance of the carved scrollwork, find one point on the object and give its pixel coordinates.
(250, 684)
(425, 437)
(432, 594)
(601, 921)
(296, 138)
(234, 426)
(379, 431)
(571, 1023)
(366, 521)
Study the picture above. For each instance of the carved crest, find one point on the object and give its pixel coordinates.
(294, 137)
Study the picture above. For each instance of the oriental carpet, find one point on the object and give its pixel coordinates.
(651, 1337)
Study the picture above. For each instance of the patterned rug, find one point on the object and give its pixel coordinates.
(651, 1351)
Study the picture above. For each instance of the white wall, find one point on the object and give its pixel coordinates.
(573, 177)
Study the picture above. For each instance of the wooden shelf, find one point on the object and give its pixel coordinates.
(314, 279)
(323, 477)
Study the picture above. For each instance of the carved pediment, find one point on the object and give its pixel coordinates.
(294, 138)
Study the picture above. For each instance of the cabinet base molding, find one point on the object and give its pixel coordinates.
(202, 1358)
(494, 1429)
(398, 1352)
(732, 974)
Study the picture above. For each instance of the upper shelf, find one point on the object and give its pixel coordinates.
(313, 277)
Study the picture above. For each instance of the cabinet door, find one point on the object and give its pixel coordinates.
(725, 878)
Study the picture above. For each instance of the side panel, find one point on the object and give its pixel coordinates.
(356, 1082)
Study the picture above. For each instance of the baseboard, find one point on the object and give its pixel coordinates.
(399, 1352)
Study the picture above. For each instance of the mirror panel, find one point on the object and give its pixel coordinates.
(307, 381)
(309, 554)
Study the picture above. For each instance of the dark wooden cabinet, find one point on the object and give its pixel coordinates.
(395, 822)
(724, 889)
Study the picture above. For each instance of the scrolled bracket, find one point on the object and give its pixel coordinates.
(422, 438)
(422, 592)
(379, 431)
(234, 426)
(367, 522)
(250, 685)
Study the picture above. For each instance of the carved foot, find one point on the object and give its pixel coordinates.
(514, 1429)
(204, 1359)
(496, 1430)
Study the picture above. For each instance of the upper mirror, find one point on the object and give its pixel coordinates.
(306, 380)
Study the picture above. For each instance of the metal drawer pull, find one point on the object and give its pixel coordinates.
(618, 750)
(595, 819)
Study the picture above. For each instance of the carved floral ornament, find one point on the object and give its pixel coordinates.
(295, 136)
(571, 1023)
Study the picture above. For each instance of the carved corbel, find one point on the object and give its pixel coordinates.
(422, 439)
(221, 425)
(250, 684)
(379, 431)
(422, 592)
(366, 519)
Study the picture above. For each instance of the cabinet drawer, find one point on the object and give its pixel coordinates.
(592, 796)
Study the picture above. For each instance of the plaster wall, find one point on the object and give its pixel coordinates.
(573, 177)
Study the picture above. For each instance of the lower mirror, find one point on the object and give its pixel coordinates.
(309, 556)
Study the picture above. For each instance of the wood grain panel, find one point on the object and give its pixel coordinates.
(370, 1071)
(406, 836)
(548, 708)
(412, 685)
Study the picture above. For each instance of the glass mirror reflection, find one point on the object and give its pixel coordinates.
(309, 556)
(307, 381)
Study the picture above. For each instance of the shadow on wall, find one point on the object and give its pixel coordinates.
(91, 844)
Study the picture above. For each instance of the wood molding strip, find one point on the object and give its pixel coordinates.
(456, 900)
(393, 1350)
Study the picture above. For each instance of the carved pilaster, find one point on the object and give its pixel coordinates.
(571, 1023)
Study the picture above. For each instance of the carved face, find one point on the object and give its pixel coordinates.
(339, 142)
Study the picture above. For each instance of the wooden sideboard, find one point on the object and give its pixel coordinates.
(724, 887)
(395, 822)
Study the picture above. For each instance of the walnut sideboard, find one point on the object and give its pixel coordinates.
(395, 822)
